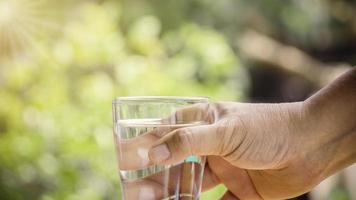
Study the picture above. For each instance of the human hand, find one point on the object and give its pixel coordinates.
(269, 151)
(251, 148)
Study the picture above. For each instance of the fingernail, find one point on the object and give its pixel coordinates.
(159, 153)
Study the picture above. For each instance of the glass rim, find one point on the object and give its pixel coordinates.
(171, 99)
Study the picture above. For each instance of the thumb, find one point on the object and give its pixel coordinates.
(181, 143)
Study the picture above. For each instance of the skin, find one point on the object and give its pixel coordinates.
(269, 151)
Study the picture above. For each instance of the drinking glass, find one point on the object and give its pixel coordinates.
(138, 123)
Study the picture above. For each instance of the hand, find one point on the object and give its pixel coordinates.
(250, 147)
(268, 151)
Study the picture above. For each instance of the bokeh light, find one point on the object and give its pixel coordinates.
(62, 62)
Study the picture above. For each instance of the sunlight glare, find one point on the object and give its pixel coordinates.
(24, 23)
(7, 12)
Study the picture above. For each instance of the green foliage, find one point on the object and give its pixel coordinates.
(62, 62)
(55, 107)
(215, 193)
(339, 194)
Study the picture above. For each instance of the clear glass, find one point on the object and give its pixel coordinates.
(138, 123)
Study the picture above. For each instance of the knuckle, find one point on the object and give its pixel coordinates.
(177, 117)
(211, 112)
(230, 126)
(202, 112)
(186, 140)
(175, 141)
(207, 112)
(233, 133)
(220, 109)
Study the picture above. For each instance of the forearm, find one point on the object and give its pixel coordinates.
(332, 121)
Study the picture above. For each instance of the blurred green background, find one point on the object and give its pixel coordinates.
(62, 62)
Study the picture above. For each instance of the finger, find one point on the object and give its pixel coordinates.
(142, 190)
(198, 114)
(133, 153)
(235, 179)
(184, 142)
(181, 178)
(202, 112)
(137, 148)
(210, 180)
(229, 196)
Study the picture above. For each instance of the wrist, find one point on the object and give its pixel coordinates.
(330, 127)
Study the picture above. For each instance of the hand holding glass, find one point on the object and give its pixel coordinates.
(138, 123)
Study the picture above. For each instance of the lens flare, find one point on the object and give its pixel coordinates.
(23, 23)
